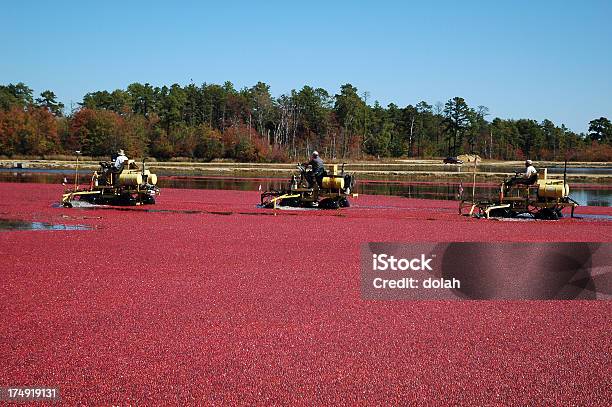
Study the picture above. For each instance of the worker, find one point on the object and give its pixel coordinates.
(94, 180)
(528, 178)
(318, 170)
(120, 160)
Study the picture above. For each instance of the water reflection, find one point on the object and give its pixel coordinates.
(15, 224)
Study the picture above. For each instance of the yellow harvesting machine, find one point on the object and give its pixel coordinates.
(331, 192)
(128, 185)
(545, 199)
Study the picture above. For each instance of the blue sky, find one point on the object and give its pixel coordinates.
(533, 59)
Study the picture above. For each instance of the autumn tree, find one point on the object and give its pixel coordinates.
(96, 132)
(31, 132)
(208, 121)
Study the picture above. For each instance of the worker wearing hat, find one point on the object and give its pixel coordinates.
(318, 169)
(530, 171)
(120, 160)
(528, 178)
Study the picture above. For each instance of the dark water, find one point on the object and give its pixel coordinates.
(598, 195)
(13, 224)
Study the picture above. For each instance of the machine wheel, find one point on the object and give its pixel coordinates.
(329, 204)
(311, 204)
(344, 203)
(552, 214)
(293, 202)
(88, 198)
(547, 214)
(148, 200)
(126, 199)
(499, 213)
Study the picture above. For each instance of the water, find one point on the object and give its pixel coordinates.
(590, 195)
(14, 224)
(585, 195)
(594, 217)
(600, 195)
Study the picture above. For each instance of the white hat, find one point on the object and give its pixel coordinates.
(315, 153)
(528, 162)
(121, 152)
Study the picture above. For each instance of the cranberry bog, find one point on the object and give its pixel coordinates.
(204, 298)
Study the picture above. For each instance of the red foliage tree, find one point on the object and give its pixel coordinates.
(28, 132)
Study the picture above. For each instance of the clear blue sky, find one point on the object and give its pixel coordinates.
(522, 59)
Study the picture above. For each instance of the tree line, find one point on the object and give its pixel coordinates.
(214, 121)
